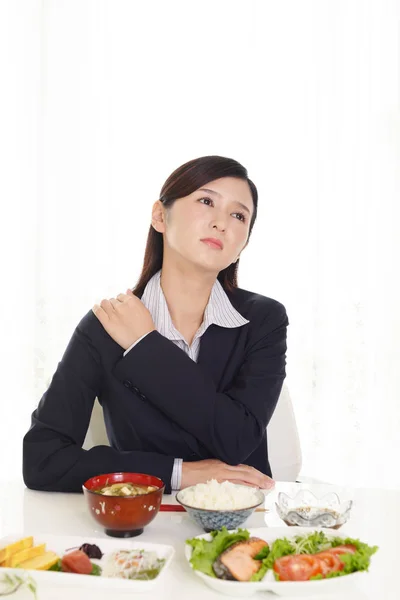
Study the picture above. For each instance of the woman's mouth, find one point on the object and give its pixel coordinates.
(213, 243)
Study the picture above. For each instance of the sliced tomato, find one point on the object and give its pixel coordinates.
(344, 549)
(280, 567)
(298, 567)
(76, 562)
(330, 562)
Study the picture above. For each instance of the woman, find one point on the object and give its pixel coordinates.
(188, 367)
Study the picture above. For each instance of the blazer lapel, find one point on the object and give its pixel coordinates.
(216, 347)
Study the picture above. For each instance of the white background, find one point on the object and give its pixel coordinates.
(101, 100)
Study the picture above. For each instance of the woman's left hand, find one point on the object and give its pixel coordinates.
(125, 318)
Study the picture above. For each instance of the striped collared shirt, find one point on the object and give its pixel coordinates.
(219, 311)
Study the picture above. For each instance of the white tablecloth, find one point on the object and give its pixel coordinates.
(375, 519)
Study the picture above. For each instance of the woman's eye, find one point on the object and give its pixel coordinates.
(240, 217)
(206, 201)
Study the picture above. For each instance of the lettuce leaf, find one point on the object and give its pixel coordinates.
(268, 555)
(205, 552)
(96, 570)
(359, 561)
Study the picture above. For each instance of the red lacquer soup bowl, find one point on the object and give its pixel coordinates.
(123, 516)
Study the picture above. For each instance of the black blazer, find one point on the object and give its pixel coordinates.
(158, 403)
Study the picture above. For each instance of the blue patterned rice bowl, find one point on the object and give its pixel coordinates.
(211, 519)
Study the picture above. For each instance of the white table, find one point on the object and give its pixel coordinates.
(375, 519)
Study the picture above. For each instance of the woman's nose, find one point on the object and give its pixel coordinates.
(219, 223)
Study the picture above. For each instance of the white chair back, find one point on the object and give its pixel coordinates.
(284, 451)
(96, 434)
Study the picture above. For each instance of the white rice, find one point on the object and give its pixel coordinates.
(219, 496)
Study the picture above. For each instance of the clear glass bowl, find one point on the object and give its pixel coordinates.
(306, 510)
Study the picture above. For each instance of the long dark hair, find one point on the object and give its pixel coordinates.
(184, 181)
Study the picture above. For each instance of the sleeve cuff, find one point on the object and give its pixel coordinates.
(134, 343)
(177, 474)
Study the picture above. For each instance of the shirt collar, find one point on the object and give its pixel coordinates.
(219, 310)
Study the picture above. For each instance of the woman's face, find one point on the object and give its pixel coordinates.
(209, 228)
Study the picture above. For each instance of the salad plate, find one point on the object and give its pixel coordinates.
(316, 587)
(105, 575)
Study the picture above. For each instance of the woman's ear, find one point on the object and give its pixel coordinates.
(158, 217)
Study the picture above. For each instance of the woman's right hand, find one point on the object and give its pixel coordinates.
(203, 470)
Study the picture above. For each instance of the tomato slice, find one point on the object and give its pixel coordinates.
(280, 567)
(330, 562)
(299, 567)
(344, 549)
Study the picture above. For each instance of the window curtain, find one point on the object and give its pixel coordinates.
(101, 100)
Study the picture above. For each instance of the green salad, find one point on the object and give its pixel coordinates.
(309, 557)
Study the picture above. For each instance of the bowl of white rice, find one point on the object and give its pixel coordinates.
(214, 505)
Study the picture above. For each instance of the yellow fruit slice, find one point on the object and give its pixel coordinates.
(27, 554)
(41, 563)
(7, 551)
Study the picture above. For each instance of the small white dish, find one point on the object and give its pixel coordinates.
(61, 544)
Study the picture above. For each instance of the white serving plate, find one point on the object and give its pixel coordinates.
(60, 544)
(281, 588)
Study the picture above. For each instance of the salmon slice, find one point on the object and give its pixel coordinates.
(237, 562)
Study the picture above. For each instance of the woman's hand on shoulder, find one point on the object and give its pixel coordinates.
(202, 471)
(125, 318)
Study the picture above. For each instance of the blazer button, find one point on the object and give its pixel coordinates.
(127, 383)
(143, 397)
(135, 389)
